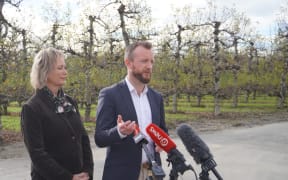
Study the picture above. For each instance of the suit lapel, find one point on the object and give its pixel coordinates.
(127, 99)
(153, 106)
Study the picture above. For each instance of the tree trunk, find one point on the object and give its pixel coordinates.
(88, 72)
(281, 101)
(199, 74)
(217, 69)
(1, 136)
(247, 96)
(174, 103)
(251, 56)
(5, 109)
(254, 94)
(166, 100)
(188, 98)
(235, 89)
(121, 11)
(87, 97)
(199, 98)
(236, 69)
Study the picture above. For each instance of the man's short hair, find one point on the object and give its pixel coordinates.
(130, 48)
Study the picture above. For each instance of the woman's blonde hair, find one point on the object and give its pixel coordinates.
(42, 65)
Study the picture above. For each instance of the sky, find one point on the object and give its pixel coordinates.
(262, 13)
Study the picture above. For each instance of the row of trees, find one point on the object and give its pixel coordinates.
(210, 51)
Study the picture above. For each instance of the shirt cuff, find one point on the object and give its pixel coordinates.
(120, 134)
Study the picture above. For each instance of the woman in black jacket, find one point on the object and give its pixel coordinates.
(54, 135)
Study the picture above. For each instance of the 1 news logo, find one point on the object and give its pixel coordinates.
(163, 141)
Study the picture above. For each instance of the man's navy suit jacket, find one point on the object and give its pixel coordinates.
(123, 158)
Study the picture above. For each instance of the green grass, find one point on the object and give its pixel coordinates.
(262, 103)
(187, 110)
(89, 126)
(93, 111)
(14, 109)
(11, 123)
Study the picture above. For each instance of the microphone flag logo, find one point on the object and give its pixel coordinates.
(163, 141)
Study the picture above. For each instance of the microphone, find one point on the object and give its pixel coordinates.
(198, 150)
(166, 143)
(140, 138)
(160, 137)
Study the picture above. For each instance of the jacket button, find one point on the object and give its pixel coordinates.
(73, 138)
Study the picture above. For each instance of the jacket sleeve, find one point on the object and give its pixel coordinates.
(45, 165)
(106, 132)
(162, 116)
(162, 125)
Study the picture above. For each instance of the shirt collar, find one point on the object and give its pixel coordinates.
(131, 87)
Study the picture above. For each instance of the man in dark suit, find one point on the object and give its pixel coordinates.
(121, 107)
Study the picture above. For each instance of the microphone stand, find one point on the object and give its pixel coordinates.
(206, 166)
(157, 171)
(178, 164)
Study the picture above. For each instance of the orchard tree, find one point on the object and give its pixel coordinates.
(6, 28)
(238, 33)
(282, 42)
(220, 21)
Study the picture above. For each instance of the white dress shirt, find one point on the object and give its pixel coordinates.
(143, 111)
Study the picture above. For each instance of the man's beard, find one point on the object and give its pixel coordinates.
(141, 78)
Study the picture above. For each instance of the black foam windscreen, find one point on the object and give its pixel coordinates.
(194, 144)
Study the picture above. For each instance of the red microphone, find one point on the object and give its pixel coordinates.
(166, 143)
(160, 137)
